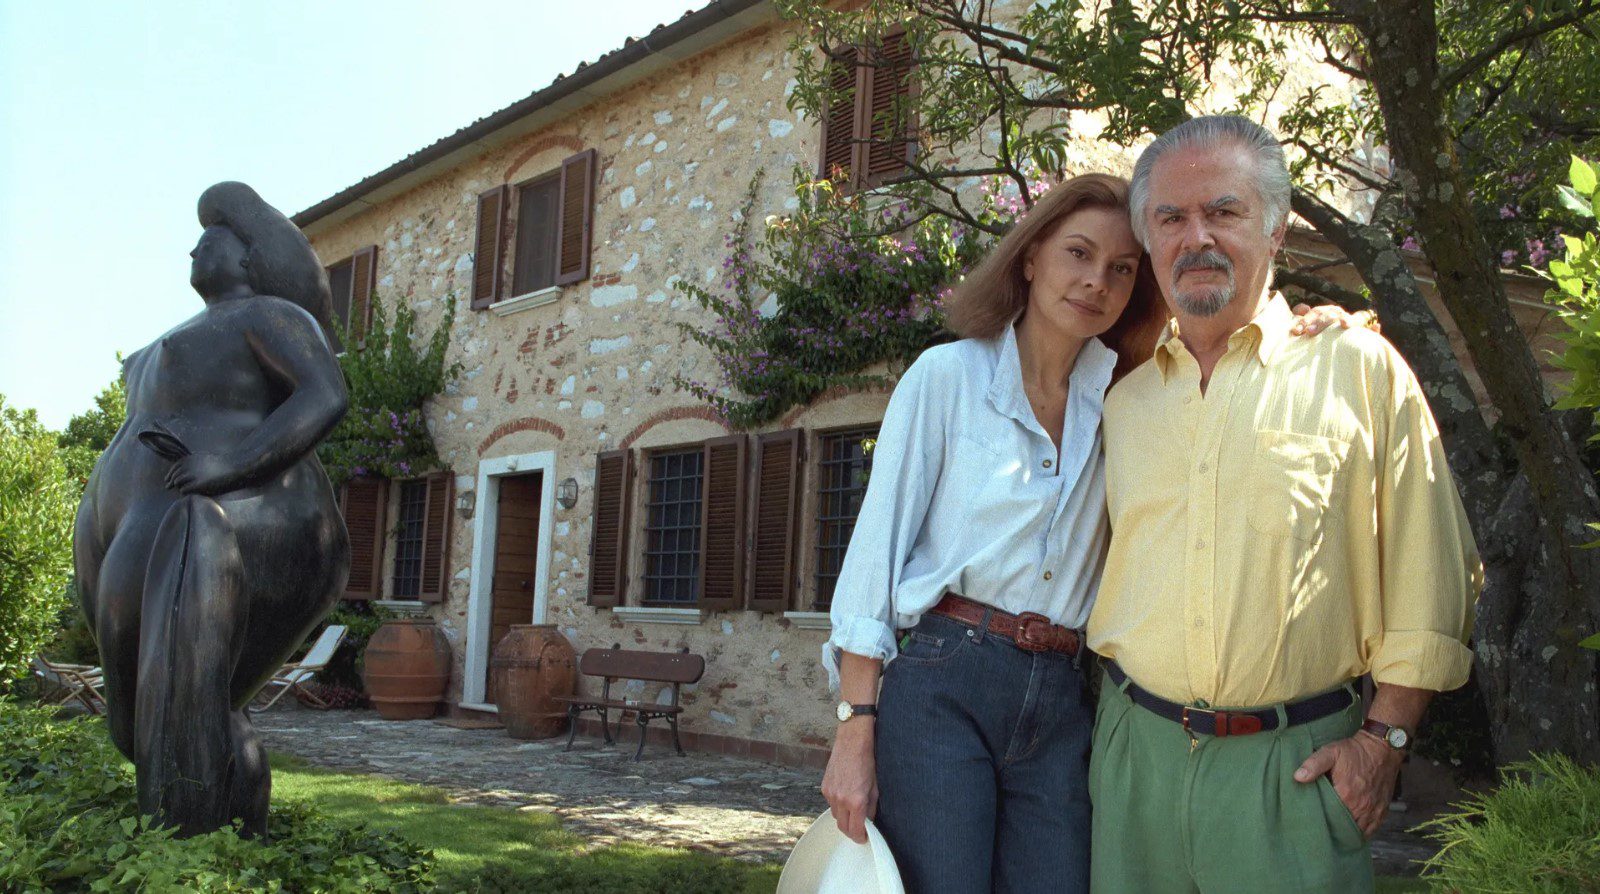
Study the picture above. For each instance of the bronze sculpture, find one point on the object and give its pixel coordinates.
(209, 542)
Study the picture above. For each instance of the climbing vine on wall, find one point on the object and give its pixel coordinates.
(391, 375)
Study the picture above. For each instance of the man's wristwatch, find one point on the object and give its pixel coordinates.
(1393, 736)
(846, 711)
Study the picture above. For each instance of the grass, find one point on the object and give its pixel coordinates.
(493, 849)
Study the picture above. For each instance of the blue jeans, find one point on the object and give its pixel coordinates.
(983, 762)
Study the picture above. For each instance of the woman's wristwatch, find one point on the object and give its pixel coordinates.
(846, 711)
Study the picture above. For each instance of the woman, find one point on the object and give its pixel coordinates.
(209, 543)
(976, 556)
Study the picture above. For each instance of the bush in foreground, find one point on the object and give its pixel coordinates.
(69, 823)
(1538, 833)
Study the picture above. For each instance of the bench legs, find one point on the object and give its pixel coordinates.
(573, 712)
(673, 719)
(572, 725)
(644, 727)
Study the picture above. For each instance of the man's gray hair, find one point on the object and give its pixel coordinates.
(1272, 171)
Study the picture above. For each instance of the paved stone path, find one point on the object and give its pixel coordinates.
(723, 805)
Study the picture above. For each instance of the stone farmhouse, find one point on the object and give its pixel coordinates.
(585, 490)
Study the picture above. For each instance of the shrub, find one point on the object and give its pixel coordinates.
(1538, 832)
(69, 823)
(37, 502)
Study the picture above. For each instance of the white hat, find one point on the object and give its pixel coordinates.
(824, 861)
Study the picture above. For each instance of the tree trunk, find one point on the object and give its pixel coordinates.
(1541, 686)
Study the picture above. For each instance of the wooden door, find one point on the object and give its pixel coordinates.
(516, 558)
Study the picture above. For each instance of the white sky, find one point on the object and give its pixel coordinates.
(115, 116)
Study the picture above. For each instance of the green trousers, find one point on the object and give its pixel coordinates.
(1176, 816)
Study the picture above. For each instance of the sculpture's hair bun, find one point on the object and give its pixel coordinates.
(281, 260)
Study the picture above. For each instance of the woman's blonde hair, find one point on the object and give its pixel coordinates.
(996, 292)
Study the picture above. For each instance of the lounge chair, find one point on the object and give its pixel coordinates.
(62, 683)
(296, 674)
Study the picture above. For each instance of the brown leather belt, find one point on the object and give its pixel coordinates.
(1029, 631)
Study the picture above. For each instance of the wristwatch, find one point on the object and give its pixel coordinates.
(1393, 736)
(846, 711)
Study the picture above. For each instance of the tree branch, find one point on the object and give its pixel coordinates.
(1451, 79)
(1316, 285)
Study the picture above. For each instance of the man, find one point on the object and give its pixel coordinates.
(1283, 522)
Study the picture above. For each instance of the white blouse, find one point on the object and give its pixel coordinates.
(966, 494)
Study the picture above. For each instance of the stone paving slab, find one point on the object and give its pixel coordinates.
(723, 805)
(714, 803)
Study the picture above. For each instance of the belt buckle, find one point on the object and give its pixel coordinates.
(1025, 638)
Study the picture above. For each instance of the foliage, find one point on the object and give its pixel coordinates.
(69, 823)
(826, 292)
(37, 505)
(1538, 832)
(492, 850)
(390, 376)
(89, 433)
(1455, 732)
(1576, 296)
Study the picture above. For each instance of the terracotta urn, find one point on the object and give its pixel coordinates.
(532, 665)
(407, 667)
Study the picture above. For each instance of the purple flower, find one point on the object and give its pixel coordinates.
(1507, 212)
(1508, 257)
(1410, 244)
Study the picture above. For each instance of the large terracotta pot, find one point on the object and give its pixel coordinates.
(407, 667)
(531, 666)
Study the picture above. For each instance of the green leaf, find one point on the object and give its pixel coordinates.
(1591, 642)
(1573, 201)
(1582, 176)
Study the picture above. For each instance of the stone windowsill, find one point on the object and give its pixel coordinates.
(809, 620)
(642, 614)
(536, 298)
(405, 608)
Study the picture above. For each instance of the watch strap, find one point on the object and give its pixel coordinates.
(863, 710)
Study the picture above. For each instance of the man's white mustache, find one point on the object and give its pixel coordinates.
(1204, 260)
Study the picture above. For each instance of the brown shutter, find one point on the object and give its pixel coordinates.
(362, 502)
(486, 259)
(839, 117)
(363, 280)
(722, 499)
(575, 222)
(776, 524)
(886, 110)
(608, 542)
(436, 537)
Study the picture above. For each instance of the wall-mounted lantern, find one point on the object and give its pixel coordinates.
(567, 493)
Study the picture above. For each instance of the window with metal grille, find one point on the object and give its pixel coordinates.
(842, 468)
(408, 538)
(672, 527)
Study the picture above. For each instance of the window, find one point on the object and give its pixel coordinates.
(350, 283)
(672, 527)
(408, 538)
(867, 127)
(534, 258)
(842, 469)
(550, 236)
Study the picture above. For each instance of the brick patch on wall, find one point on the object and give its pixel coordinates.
(568, 142)
(671, 415)
(831, 394)
(527, 423)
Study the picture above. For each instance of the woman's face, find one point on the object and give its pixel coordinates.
(218, 261)
(1081, 273)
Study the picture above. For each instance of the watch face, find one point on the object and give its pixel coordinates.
(1397, 737)
(843, 711)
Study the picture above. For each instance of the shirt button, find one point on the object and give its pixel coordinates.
(1204, 468)
(1047, 463)
(1187, 398)
(1048, 575)
(1199, 544)
(1199, 623)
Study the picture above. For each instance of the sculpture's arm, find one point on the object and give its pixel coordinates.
(291, 349)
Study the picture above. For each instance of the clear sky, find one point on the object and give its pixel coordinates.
(114, 116)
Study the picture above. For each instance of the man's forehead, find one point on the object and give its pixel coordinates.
(1202, 175)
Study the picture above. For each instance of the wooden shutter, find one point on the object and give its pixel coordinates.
(608, 542)
(436, 537)
(839, 117)
(775, 525)
(486, 259)
(722, 499)
(885, 121)
(363, 281)
(362, 502)
(575, 222)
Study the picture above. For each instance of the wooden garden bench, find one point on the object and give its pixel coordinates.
(617, 663)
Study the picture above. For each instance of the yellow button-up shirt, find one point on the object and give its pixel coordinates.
(1293, 527)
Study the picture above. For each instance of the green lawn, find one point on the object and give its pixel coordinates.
(492, 849)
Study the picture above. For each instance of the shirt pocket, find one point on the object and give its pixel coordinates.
(1291, 482)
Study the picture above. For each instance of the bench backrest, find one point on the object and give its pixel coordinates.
(634, 664)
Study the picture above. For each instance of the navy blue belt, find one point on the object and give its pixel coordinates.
(1209, 722)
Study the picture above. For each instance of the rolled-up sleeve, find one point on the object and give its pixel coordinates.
(905, 466)
(1430, 572)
